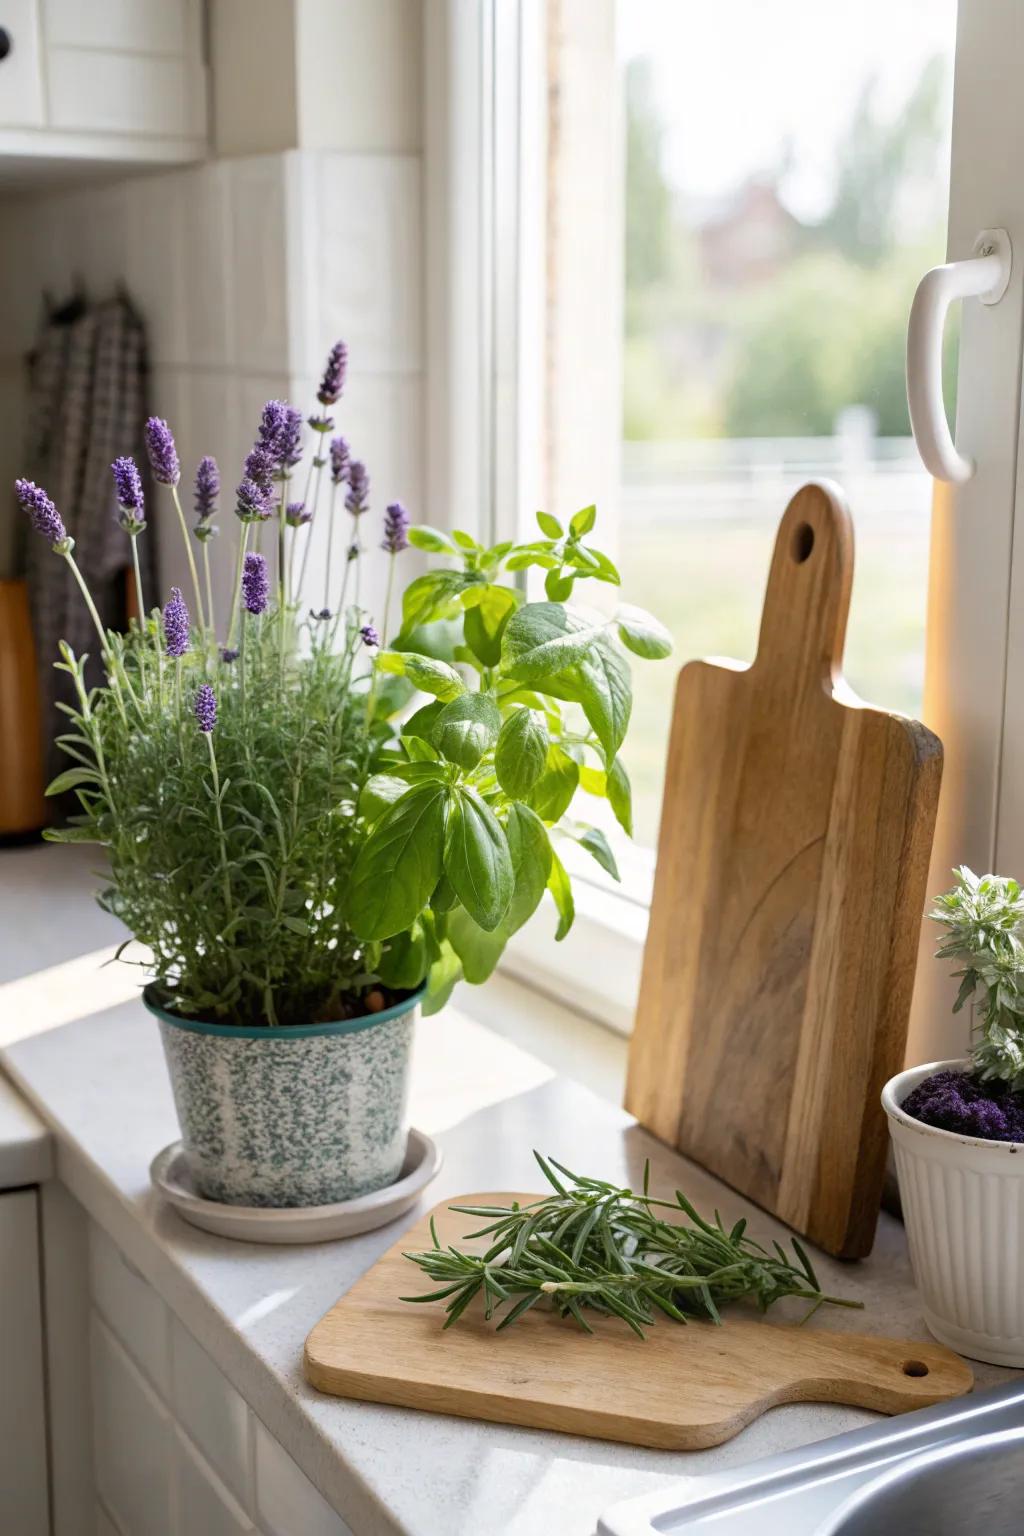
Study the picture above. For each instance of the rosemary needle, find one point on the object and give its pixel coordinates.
(593, 1245)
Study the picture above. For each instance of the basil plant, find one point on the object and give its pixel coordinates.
(529, 702)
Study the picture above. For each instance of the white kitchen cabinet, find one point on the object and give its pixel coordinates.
(23, 1475)
(110, 81)
(21, 76)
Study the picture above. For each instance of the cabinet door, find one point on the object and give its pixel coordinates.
(21, 82)
(23, 1496)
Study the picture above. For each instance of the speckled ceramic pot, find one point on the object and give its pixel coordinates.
(296, 1116)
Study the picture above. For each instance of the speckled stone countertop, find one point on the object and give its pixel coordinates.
(100, 1084)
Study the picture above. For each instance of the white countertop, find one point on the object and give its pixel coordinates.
(100, 1083)
(26, 1146)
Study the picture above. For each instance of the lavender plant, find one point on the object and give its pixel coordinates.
(984, 921)
(306, 811)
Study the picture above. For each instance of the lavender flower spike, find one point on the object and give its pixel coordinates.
(272, 423)
(207, 488)
(205, 708)
(254, 501)
(396, 529)
(297, 515)
(290, 442)
(369, 636)
(43, 515)
(260, 466)
(255, 583)
(333, 381)
(358, 499)
(177, 629)
(163, 456)
(128, 488)
(340, 457)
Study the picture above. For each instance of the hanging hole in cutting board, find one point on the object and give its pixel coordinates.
(803, 542)
(914, 1368)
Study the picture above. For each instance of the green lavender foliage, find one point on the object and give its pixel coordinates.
(983, 918)
(594, 1246)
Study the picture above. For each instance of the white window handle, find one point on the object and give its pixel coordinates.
(985, 276)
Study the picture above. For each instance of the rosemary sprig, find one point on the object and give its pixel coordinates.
(593, 1245)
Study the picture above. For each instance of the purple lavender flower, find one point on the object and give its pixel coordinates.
(296, 514)
(43, 515)
(207, 488)
(290, 441)
(333, 381)
(128, 488)
(260, 466)
(255, 583)
(163, 456)
(358, 499)
(340, 456)
(205, 708)
(272, 424)
(177, 629)
(369, 636)
(254, 502)
(228, 653)
(396, 529)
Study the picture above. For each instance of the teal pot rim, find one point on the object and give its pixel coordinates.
(150, 997)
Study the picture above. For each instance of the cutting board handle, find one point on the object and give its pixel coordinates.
(803, 622)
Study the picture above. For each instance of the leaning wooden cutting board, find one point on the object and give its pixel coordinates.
(792, 866)
(681, 1388)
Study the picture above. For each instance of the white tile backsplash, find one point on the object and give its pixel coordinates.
(210, 1409)
(207, 256)
(132, 1432)
(130, 1307)
(287, 1504)
(361, 264)
(259, 273)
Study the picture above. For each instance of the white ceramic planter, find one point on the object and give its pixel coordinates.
(963, 1204)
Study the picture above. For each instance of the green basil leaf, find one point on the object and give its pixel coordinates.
(543, 640)
(558, 587)
(404, 962)
(465, 541)
(443, 897)
(466, 728)
(422, 722)
(642, 634)
(485, 621)
(384, 788)
(531, 855)
(477, 859)
(430, 676)
(593, 781)
(521, 753)
(399, 864)
(600, 682)
(434, 596)
(597, 845)
(393, 694)
(561, 890)
(441, 980)
(553, 792)
(431, 540)
(524, 558)
(550, 525)
(620, 796)
(583, 521)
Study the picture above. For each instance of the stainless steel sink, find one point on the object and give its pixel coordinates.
(957, 1470)
(974, 1485)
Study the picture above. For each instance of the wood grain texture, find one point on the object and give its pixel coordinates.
(682, 1388)
(792, 865)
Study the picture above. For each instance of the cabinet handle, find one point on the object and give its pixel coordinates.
(6, 42)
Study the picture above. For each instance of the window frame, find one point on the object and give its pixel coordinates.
(484, 62)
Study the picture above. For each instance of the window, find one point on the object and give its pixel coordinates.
(710, 235)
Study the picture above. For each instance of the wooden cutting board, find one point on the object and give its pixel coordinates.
(681, 1388)
(792, 865)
